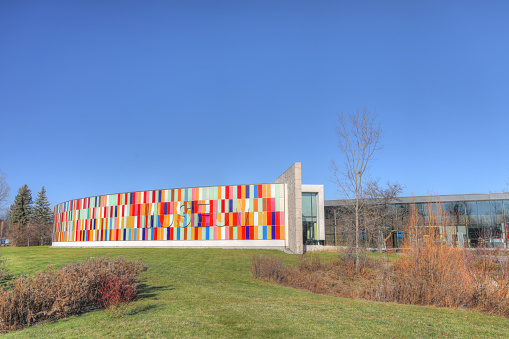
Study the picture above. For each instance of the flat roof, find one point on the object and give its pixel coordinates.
(441, 198)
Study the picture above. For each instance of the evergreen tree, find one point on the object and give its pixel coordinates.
(21, 210)
(42, 214)
(42, 218)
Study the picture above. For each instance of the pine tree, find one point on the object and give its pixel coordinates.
(21, 210)
(42, 213)
(42, 217)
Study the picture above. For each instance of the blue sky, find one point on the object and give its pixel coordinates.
(104, 97)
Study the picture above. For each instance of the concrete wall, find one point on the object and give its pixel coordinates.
(293, 180)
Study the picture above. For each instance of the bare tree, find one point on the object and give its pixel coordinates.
(4, 190)
(358, 138)
(379, 214)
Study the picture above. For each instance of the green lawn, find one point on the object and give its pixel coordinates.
(210, 292)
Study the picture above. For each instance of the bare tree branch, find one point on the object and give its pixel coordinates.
(4, 190)
(358, 138)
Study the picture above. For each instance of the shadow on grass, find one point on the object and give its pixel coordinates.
(140, 309)
(147, 291)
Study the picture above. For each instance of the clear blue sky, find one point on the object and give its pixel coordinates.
(102, 97)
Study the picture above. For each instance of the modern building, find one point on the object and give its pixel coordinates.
(270, 215)
(472, 219)
(284, 214)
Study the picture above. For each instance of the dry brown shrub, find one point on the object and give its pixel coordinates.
(430, 273)
(334, 278)
(54, 294)
(434, 272)
(490, 281)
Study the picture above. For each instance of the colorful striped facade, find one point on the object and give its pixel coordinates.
(241, 212)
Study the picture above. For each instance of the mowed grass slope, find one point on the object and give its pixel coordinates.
(210, 292)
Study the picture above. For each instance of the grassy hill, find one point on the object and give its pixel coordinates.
(210, 292)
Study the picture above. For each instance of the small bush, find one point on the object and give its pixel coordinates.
(117, 293)
(72, 289)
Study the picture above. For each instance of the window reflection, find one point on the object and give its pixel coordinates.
(474, 223)
(309, 219)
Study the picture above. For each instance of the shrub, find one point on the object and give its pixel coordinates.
(54, 294)
(430, 273)
(117, 293)
(310, 275)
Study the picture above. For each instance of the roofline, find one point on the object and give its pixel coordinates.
(441, 198)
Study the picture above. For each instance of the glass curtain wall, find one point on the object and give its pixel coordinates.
(309, 219)
(469, 224)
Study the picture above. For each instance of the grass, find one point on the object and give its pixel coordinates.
(210, 292)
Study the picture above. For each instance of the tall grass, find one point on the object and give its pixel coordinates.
(430, 272)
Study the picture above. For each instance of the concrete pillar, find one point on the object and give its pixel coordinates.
(293, 180)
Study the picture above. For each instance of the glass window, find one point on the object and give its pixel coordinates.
(309, 219)
(471, 212)
(484, 211)
(421, 209)
(497, 210)
(483, 207)
(456, 212)
(309, 204)
(506, 210)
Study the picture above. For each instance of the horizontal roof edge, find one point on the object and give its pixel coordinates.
(441, 198)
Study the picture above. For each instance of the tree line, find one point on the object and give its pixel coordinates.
(27, 222)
